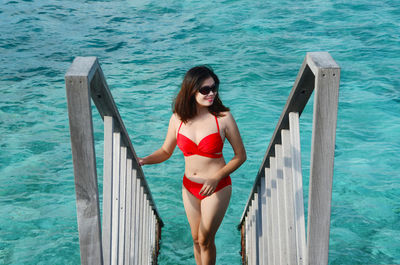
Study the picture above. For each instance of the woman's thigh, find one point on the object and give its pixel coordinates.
(193, 211)
(213, 210)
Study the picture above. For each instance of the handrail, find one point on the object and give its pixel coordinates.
(84, 81)
(297, 100)
(318, 70)
(100, 93)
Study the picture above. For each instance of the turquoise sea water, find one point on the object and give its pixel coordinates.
(145, 47)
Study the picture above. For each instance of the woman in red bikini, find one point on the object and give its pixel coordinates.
(199, 125)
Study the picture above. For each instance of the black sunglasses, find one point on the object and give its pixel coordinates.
(205, 90)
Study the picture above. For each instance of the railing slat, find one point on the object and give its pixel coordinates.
(281, 204)
(138, 219)
(256, 229)
(135, 181)
(297, 186)
(146, 233)
(271, 250)
(275, 214)
(289, 197)
(251, 241)
(263, 220)
(141, 222)
(128, 204)
(115, 196)
(246, 242)
(107, 188)
(122, 207)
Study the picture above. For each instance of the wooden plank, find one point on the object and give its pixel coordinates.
(251, 234)
(270, 217)
(135, 182)
(107, 188)
(264, 220)
(142, 225)
(154, 238)
(128, 204)
(85, 173)
(246, 241)
(321, 167)
(138, 217)
(115, 196)
(281, 204)
(275, 214)
(259, 217)
(122, 207)
(243, 244)
(146, 232)
(289, 197)
(150, 234)
(256, 232)
(297, 187)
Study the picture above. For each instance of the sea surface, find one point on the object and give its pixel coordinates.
(144, 48)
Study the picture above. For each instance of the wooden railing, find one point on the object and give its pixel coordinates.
(131, 224)
(272, 225)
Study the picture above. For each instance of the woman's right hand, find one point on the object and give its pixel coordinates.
(141, 161)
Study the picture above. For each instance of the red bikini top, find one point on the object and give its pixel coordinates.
(210, 146)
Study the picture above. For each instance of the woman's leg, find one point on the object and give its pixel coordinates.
(192, 208)
(213, 209)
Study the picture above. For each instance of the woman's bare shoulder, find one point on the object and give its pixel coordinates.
(175, 119)
(226, 116)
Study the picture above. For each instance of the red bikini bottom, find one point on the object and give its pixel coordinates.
(194, 187)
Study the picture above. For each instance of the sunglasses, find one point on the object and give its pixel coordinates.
(205, 90)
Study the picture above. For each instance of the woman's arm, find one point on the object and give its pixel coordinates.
(166, 149)
(233, 136)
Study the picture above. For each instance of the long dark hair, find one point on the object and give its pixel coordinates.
(185, 102)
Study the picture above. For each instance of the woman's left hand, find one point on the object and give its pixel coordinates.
(209, 187)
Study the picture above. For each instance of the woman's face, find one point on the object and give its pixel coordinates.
(206, 100)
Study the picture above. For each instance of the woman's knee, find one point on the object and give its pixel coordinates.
(205, 240)
(195, 239)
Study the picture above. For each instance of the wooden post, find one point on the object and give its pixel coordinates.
(83, 154)
(321, 167)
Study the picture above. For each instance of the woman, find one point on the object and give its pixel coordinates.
(199, 125)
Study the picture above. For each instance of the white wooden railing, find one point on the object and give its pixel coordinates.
(272, 225)
(131, 226)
